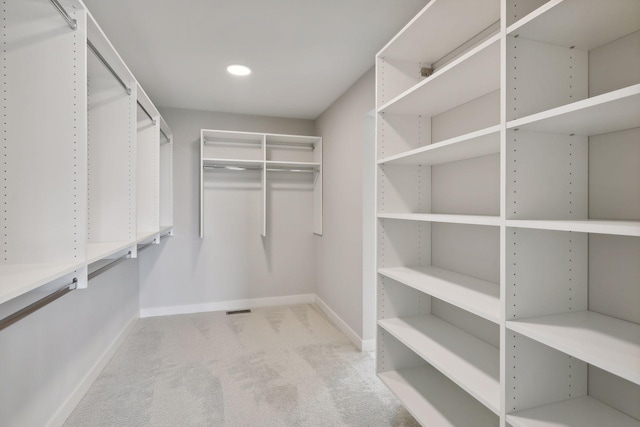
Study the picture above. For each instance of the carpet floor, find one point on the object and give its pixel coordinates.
(277, 366)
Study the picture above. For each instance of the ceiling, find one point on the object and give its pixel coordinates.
(304, 53)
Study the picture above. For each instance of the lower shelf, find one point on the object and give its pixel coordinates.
(19, 279)
(580, 412)
(435, 401)
(102, 250)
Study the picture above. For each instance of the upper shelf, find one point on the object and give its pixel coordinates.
(609, 112)
(231, 136)
(445, 25)
(474, 144)
(585, 25)
(622, 228)
(451, 219)
(473, 74)
(231, 163)
(292, 140)
(608, 343)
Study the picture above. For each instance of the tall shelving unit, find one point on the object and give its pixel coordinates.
(262, 155)
(73, 172)
(508, 213)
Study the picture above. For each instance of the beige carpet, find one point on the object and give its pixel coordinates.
(283, 366)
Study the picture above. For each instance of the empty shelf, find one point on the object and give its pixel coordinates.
(580, 412)
(271, 164)
(292, 140)
(19, 279)
(434, 400)
(474, 144)
(623, 228)
(468, 361)
(452, 219)
(608, 343)
(477, 296)
(146, 235)
(239, 163)
(609, 112)
(98, 251)
(213, 136)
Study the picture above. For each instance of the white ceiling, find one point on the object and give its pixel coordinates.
(304, 53)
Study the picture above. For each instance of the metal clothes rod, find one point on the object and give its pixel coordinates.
(165, 135)
(24, 312)
(72, 22)
(242, 168)
(147, 113)
(106, 64)
(108, 266)
(310, 146)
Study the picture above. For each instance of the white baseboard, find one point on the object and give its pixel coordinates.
(228, 305)
(76, 396)
(362, 345)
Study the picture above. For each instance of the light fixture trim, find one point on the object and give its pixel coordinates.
(239, 70)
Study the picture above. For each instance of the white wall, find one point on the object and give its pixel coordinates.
(46, 356)
(340, 251)
(233, 262)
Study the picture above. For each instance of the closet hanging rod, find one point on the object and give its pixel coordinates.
(165, 135)
(33, 307)
(61, 10)
(245, 168)
(148, 115)
(106, 267)
(252, 142)
(106, 64)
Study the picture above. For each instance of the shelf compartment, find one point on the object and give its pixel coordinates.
(468, 361)
(451, 219)
(233, 163)
(477, 296)
(292, 140)
(213, 136)
(99, 251)
(577, 23)
(145, 236)
(609, 112)
(19, 279)
(434, 400)
(292, 166)
(608, 343)
(579, 412)
(471, 145)
(474, 74)
(621, 228)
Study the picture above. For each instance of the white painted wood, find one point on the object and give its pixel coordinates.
(317, 191)
(209, 161)
(615, 65)
(476, 115)
(464, 320)
(403, 243)
(608, 343)
(18, 279)
(292, 165)
(474, 295)
(614, 391)
(397, 134)
(451, 219)
(103, 250)
(434, 400)
(609, 112)
(579, 412)
(585, 25)
(166, 179)
(397, 300)
(404, 188)
(474, 144)
(474, 74)
(623, 228)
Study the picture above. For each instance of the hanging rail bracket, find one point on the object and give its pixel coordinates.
(73, 24)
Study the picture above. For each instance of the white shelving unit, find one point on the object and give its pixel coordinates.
(508, 207)
(64, 208)
(231, 151)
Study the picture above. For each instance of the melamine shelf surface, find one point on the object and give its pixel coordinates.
(579, 412)
(477, 296)
(102, 250)
(208, 161)
(291, 140)
(609, 112)
(608, 343)
(466, 360)
(435, 401)
(146, 235)
(585, 25)
(165, 229)
(213, 136)
(471, 145)
(474, 74)
(18, 279)
(291, 165)
(597, 226)
(451, 219)
(442, 25)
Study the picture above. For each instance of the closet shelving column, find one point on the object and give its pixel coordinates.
(573, 213)
(43, 147)
(438, 210)
(166, 179)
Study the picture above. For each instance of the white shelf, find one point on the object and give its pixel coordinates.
(19, 279)
(609, 112)
(597, 226)
(98, 251)
(241, 163)
(165, 229)
(608, 343)
(466, 360)
(451, 219)
(210, 136)
(291, 140)
(477, 296)
(143, 236)
(471, 145)
(585, 25)
(434, 401)
(291, 165)
(444, 27)
(474, 74)
(579, 412)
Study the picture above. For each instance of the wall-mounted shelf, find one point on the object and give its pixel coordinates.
(622, 228)
(450, 219)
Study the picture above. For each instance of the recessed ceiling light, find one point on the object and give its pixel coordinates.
(239, 70)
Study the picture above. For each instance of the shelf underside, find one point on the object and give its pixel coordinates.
(451, 219)
(102, 250)
(608, 343)
(477, 296)
(579, 412)
(622, 228)
(19, 279)
(239, 163)
(468, 361)
(434, 400)
(585, 25)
